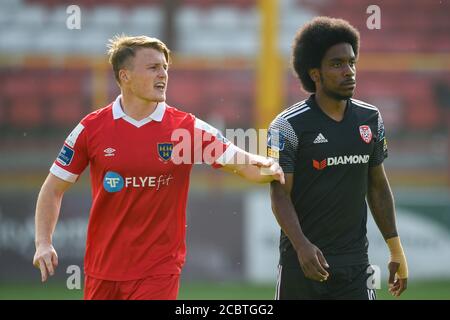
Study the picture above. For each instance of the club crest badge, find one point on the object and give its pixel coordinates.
(365, 133)
(165, 151)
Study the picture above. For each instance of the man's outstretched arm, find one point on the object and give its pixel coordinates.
(381, 203)
(47, 212)
(254, 168)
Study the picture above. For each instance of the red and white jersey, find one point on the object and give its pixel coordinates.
(137, 221)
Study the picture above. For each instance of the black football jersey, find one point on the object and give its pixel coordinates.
(330, 162)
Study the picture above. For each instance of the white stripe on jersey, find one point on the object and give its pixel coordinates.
(231, 150)
(371, 294)
(295, 105)
(73, 136)
(228, 155)
(294, 108)
(202, 125)
(297, 113)
(63, 174)
(363, 104)
(277, 289)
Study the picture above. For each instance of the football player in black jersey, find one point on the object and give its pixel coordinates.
(331, 148)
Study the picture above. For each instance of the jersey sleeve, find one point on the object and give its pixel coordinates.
(282, 144)
(380, 151)
(73, 157)
(210, 146)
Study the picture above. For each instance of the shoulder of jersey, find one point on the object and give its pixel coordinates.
(363, 105)
(295, 110)
(178, 114)
(98, 115)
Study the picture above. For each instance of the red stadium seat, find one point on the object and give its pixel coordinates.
(66, 111)
(2, 112)
(422, 27)
(21, 84)
(26, 112)
(183, 93)
(422, 115)
(62, 84)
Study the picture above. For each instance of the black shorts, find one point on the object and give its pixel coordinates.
(348, 283)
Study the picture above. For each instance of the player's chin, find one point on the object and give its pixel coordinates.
(347, 93)
(158, 97)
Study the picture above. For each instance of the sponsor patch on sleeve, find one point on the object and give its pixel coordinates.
(275, 140)
(65, 155)
(73, 136)
(273, 153)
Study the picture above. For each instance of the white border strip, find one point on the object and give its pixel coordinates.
(63, 174)
(364, 106)
(277, 290)
(228, 155)
(297, 113)
(293, 109)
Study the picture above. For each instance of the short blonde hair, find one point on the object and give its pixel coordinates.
(122, 47)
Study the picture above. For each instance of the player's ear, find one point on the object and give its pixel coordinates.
(314, 74)
(123, 75)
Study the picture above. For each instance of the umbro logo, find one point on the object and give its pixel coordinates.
(320, 139)
(109, 152)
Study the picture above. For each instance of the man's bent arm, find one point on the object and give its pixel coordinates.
(47, 208)
(285, 213)
(381, 202)
(310, 257)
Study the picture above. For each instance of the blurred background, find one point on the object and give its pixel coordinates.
(231, 67)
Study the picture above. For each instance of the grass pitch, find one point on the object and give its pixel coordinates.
(421, 290)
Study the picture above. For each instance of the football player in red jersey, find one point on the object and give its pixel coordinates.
(136, 244)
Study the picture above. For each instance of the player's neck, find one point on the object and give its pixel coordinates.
(136, 108)
(333, 108)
